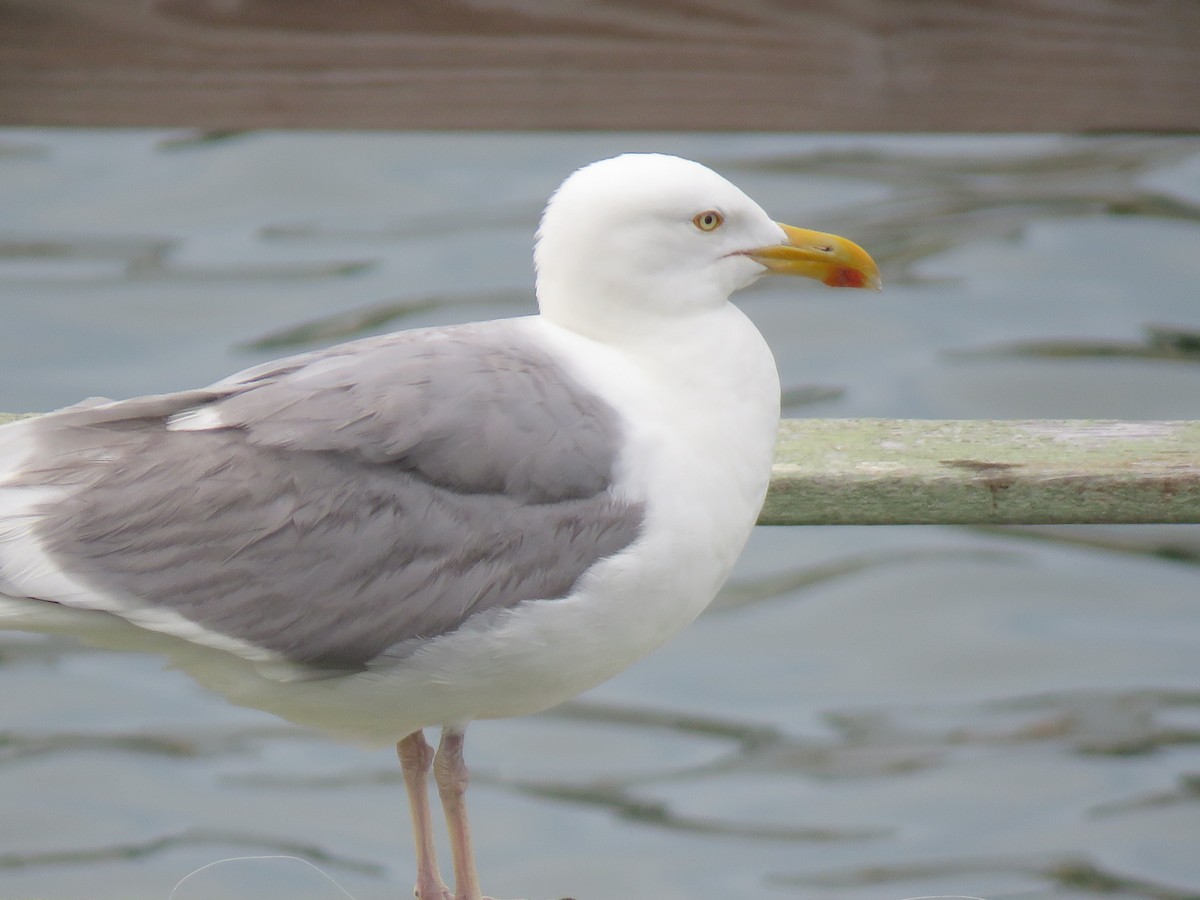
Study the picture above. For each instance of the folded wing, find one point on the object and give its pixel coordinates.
(328, 510)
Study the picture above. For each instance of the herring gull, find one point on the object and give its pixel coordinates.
(435, 526)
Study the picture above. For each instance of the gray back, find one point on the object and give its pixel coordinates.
(353, 499)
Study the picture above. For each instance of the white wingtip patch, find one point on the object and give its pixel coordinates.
(198, 418)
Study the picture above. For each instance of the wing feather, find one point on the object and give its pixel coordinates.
(333, 505)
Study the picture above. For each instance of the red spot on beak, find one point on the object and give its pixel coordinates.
(846, 277)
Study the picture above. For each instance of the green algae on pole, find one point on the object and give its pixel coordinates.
(1037, 472)
(978, 472)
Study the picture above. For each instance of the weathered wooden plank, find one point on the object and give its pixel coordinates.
(889, 471)
(928, 472)
(843, 65)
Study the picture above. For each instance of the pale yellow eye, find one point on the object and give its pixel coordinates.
(709, 220)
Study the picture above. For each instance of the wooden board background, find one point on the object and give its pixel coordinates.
(835, 65)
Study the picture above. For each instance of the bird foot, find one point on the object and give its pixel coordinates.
(444, 893)
(441, 892)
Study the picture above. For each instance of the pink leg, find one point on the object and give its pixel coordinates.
(416, 757)
(450, 773)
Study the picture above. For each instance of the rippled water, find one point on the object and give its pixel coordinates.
(877, 713)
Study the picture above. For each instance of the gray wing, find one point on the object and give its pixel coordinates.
(336, 504)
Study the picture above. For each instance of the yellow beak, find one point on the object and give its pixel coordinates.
(828, 258)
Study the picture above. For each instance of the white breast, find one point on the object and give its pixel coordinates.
(701, 417)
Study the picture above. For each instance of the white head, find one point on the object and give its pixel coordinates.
(648, 236)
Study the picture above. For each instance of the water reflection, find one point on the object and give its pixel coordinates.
(960, 199)
(880, 712)
(1160, 343)
(1036, 876)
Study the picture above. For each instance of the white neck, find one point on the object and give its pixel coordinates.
(700, 402)
(704, 383)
